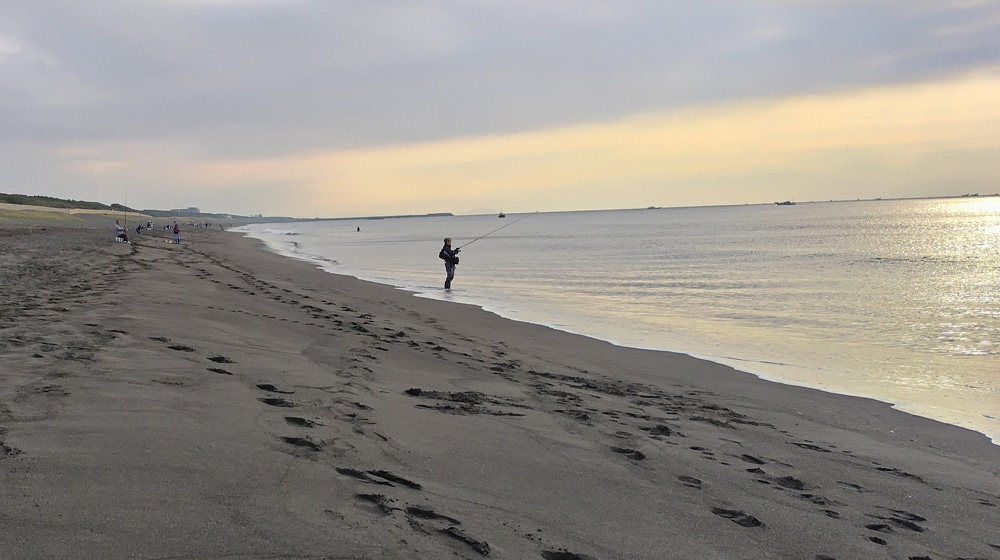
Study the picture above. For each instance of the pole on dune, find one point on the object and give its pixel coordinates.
(494, 231)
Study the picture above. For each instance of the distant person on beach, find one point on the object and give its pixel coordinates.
(177, 233)
(121, 231)
(450, 258)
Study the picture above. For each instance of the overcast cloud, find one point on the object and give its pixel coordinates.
(218, 79)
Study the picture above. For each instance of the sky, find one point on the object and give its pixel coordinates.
(330, 108)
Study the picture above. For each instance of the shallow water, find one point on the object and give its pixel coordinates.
(895, 300)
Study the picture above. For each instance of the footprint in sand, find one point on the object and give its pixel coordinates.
(810, 447)
(395, 478)
(430, 515)
(738, 517)
(860, 489)
(900, 473)
(790, 482)
(819, 500)
(302, 442)
(272, 389)
(690, 482)
(380, 501)
(300, 422)
(633, 454)
(382, 477)
(901, 518)
(752, 460)
(429, 521)
(564, 555)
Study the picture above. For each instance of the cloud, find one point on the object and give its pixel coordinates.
(8, 48)
(198, 81)
(823, 146)
(329, 73)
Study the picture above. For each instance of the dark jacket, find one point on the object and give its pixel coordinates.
(449, 255)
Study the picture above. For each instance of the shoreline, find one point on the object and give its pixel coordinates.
(975, 423)
(159, 390)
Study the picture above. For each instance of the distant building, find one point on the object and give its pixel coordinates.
(191, 211)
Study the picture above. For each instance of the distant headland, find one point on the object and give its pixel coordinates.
(178, 213)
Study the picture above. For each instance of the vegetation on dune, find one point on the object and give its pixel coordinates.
(52, 202)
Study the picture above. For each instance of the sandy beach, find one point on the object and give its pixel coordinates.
(212, 400)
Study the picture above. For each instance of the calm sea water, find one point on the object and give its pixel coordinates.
(895, 300)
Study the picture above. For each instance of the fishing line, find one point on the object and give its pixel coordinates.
(494, 231)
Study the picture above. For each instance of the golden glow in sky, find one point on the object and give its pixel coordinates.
(890, 141)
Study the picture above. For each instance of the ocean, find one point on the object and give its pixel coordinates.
(894, 300)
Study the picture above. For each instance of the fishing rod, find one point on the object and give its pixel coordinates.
(494, 231)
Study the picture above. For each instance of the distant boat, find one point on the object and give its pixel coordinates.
(652, 208)
(501, 215)
(786, 203)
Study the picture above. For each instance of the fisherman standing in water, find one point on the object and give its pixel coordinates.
(450, 258)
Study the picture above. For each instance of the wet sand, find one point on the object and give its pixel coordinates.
(213, 400)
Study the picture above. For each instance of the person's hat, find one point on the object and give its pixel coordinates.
(447, 239)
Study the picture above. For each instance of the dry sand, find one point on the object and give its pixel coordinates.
(211, 400)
